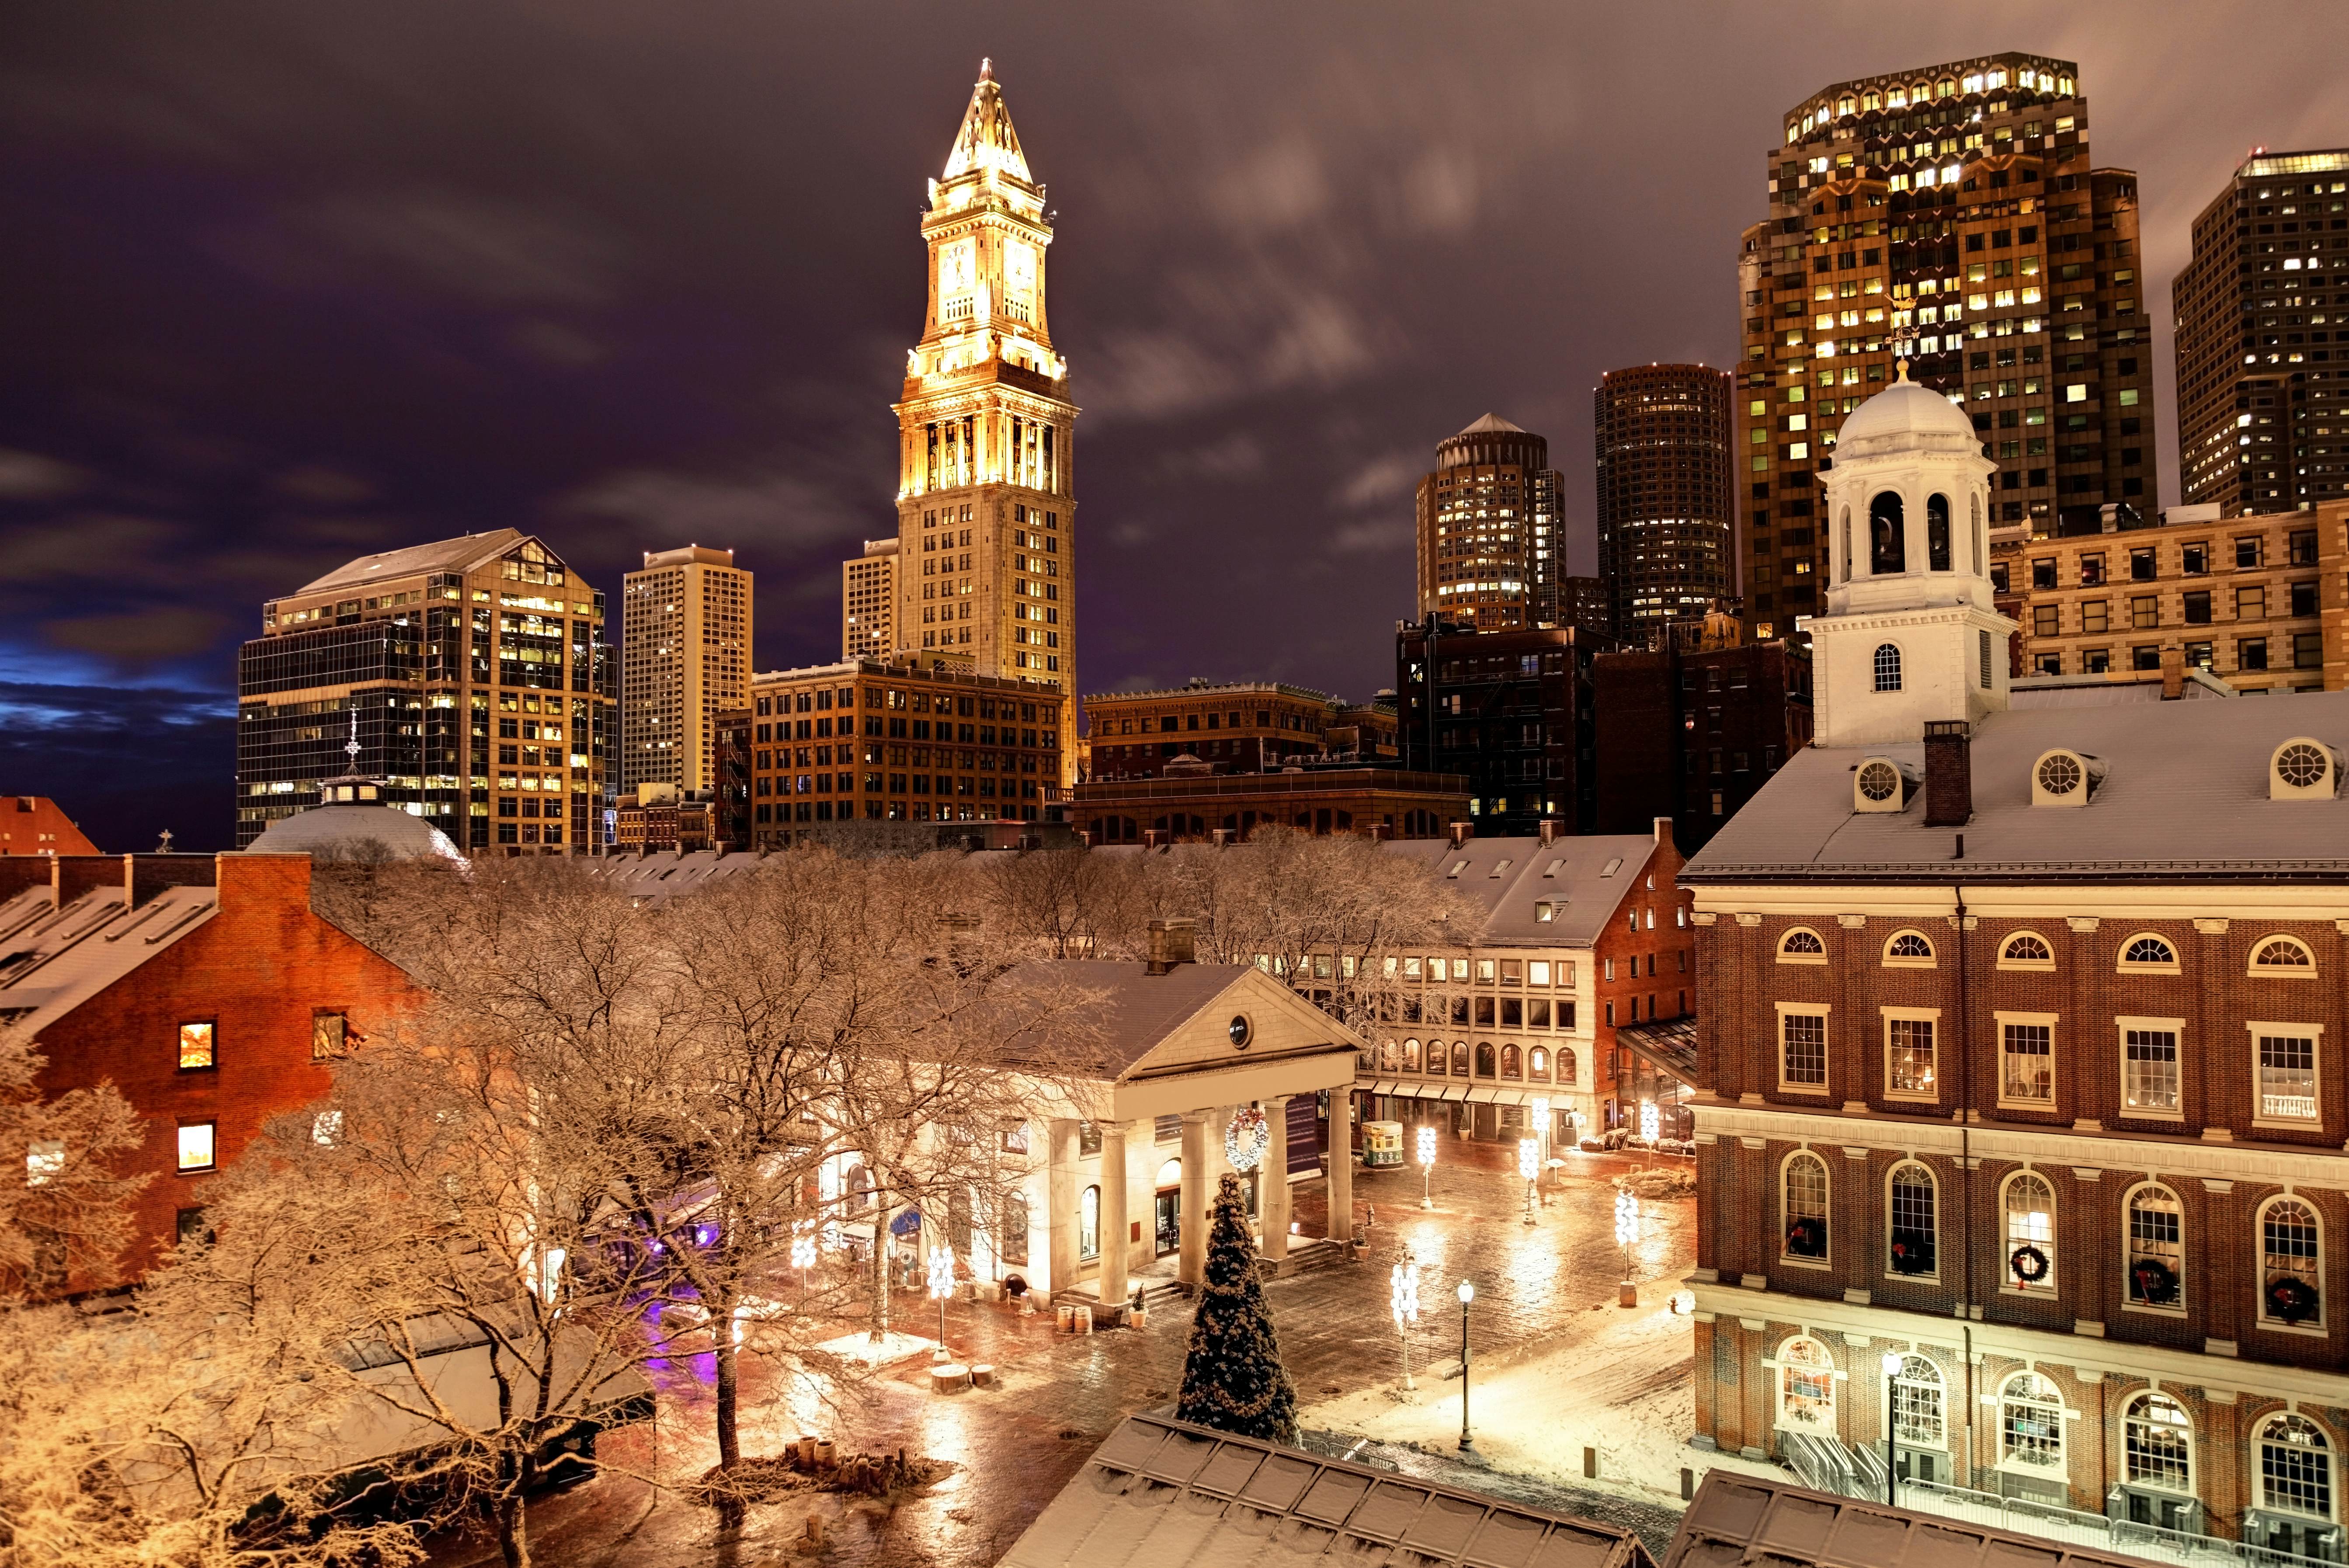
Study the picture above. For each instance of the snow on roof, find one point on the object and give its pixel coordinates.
(1739, 1520)
(1584, 880)
(1161, 1491)
(52, 960)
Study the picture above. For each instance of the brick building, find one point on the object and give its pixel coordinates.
(1195, 801)
(2024, 1095)
(1510, 710)
(869, 740)
(1240, 726)
(2261, 601)
(138, 971)
(1958, 202)
(1693, 733)
(1580, 935)
(35, 825)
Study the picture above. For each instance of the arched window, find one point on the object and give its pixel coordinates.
(1802, 1188)
(2155, 1257)
(2031, 1422)
(1510, 1066)
(1435, 1054)
(1805, 1384)
(860, 1188)
(2292, 1263)
(1567, 1065)
(1920, 1404)
(1888, 545)
(1887, 667)
(2147, 953)
(1802, 945)
(2030, 1210)
(1089, 1223)
(2026, 950)
(2157, 1444)
(2287, 956)
(1537, 1063)
(2295, 1469)
(1411, 1055)
(1483, 1059)
(1460, 1058)
(1910, 948)
(1916, 1219)
(1937, 533)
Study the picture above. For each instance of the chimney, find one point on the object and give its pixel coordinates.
(71, 876)
(1462, 832)
(147, 875)
(2173, 673)
(1549, 827)
(1171, 942)
(1949, 772)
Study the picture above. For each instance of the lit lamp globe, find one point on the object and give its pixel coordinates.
(1892, 1364)
(1467, 1292)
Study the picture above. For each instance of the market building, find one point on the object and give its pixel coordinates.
(2023, 1097)
(1196, 799)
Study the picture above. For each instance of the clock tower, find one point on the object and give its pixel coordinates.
(985, 508)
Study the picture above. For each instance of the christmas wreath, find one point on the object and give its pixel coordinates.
(2292, 1299)
(1808, 1237)
(2029, 1264)
(2156, 1282)
(1912, 1252)
(1246, 1138)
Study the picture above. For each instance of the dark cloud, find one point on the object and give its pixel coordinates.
(126, 762)
(292, 282)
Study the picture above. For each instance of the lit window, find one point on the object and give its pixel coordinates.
(2156, 1248)
(2292, 1274)
(2030, 1208)
(329, 1033)
(196, 1042)
(1915, 1221)
(196, 1146)
(1089, 1224)
(2027, 1063)
(1908, 1058)
(1803, 1054)
(45, 1161)
(2149, 1072)
(2158, 1442)
(1806, 1385)
(2031, 1422)
(2295, 1468)
(2287, 1076)
(1804, 1194)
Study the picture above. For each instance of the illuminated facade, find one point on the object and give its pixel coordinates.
(1665, 508)
(1488, 544)
(685, 660)
(1957, 202)
(868, 601)
(2263, 402)
(985, 456)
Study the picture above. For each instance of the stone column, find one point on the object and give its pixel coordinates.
(1341, 1167)
(1192, 1265)
(1116, 1250)
(1059, 1206)
(1273, 1178)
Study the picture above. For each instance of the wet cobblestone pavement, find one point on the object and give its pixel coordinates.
(1013, 1446)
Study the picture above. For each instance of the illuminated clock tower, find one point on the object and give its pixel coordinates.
(985, 508)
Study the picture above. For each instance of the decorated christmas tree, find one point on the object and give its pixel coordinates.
(1232, 1376)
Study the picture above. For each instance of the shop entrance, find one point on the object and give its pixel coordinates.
(1169, 1207)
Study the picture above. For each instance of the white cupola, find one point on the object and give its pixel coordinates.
(1911, 633)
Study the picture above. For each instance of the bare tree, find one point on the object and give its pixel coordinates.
(69, 1218)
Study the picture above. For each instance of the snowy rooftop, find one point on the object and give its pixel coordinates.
(1741, 1520)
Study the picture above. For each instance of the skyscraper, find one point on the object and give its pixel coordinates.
(445, 655)
(986, 453)
(2250, 372)
(1956, 202)
(868, 601)
(1488, 546)
(685, 659)
(1665, 509)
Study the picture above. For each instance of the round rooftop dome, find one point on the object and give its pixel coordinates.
(1906, 410)
(355, 831)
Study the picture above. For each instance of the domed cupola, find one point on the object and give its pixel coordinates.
(1912, 632)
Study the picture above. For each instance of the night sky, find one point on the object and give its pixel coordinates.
(281, 285)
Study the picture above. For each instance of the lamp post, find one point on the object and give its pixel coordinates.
(941, 1287)
(1891, 1452)
(1529, 1167)
(1467, 1295)
(803, 1253)
(1627, 1231)
(1427, 1164)
(1541, 1131)
(1404, 1300)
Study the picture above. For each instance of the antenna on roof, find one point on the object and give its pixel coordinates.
(163, 843)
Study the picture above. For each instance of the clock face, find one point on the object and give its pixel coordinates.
(1020, 268)
(1241, 1032)
(956, 267)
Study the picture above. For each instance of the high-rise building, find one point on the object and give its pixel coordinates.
(1510, 711)
(2253, 369)
(868, 601)
(1957, 203)
(450, 655)
(685, 659)
(1665, 508)
(1488, 530)
(986, 453)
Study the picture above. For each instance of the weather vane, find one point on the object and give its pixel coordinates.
(1904, 343)
(351, 746)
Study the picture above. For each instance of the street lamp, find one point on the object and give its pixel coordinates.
(1891, 1455)
(1467, 1295)
(1426, 1163)
(1404, 1300)
(941, 1287)
(803, 1253)
(1627, 1231)
(1529, 1167)
(1541, 1131)
(1651, 1125)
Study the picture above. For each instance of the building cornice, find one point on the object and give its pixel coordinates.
(2029, 891)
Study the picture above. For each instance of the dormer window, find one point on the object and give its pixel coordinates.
(2303, 769)
(2146, 954)
(2062, 777)
(1879, 785)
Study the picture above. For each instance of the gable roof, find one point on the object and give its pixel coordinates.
(1166, 1491)
(1747, 1522)
(2185, 795)
(52, 960)
(1138, 1011)
(460, 554)
(1583, 879)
